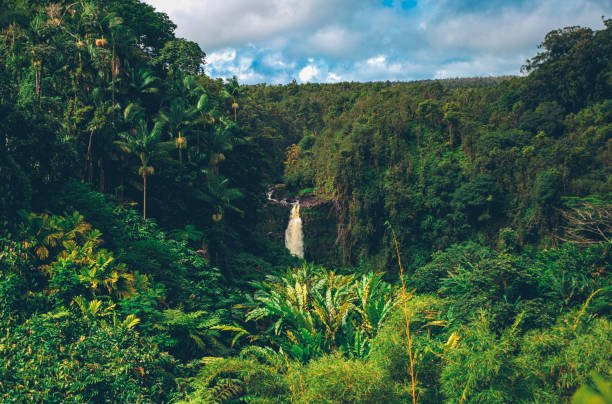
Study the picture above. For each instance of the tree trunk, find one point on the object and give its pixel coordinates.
(121, 179)
(144, 196)
(101, 170)
(88, 160)
(114, 67)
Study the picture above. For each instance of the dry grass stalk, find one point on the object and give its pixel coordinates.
(405, 296)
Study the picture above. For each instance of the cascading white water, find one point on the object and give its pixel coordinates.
(294, 237)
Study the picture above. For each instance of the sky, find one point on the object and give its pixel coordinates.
(326, 41)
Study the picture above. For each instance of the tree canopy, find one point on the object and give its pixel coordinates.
(457, 231)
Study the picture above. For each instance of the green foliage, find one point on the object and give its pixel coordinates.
(472, 362)
(541, 284)
(189, 234)
(66, 250)
(559, 360)
(481, 367)
(601, 394)
(427, 278)
(477, 198)
(177, 269)
(447, 163)
(390, 347)
(567, 53)
(100, 304)
(257, 375)
(334, 379)
(540, 366)
(263, 375)
(63, 357)
(189, 334)
(310, 310)
(181, 56)
(15, 186)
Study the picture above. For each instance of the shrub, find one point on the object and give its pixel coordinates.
(309, 310)
(427, 277)
(64, 358)
(556, 361)
(334, 379)
(390, 347)
(541, 366)
(480, 368)
(257, 375)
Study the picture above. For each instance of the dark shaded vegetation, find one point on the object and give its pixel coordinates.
(139, 262)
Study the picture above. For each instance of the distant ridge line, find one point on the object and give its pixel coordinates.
(454, 82)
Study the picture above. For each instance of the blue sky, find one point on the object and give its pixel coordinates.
(277, 41)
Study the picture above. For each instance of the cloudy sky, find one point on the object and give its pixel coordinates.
(276, 41)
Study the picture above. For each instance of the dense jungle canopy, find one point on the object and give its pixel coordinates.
(457, 232)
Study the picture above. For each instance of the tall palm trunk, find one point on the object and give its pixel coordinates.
(180, 144)
(144, 196)
(121, 180)
(88, 162)
(114, 65)
(101, 173)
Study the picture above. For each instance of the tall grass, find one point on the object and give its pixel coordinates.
(404, 298)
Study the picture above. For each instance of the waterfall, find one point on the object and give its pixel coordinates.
(294, 237)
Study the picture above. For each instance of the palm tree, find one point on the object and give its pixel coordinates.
(232, 88)
(98, 123)
(144, 142)
(143, 81)
(220, 141)
(204, 106)
(120, 38)
(178, 119)
(221, 195)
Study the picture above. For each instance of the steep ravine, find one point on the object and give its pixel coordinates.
(318, 222)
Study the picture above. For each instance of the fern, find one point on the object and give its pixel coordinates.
(310, 310)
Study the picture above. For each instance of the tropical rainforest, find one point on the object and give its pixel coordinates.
(457, 232)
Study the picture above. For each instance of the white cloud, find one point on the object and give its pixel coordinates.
(360, 40)
(222, 57)
(333, 41)
(480, 66)
(511, 29)
(226, 63)
(333, 78)
(380, 68)
(275, 60)
(377, 61)
(215, 23)
(308, 73)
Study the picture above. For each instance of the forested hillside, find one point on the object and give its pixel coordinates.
(447, 162)
(457, 232)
